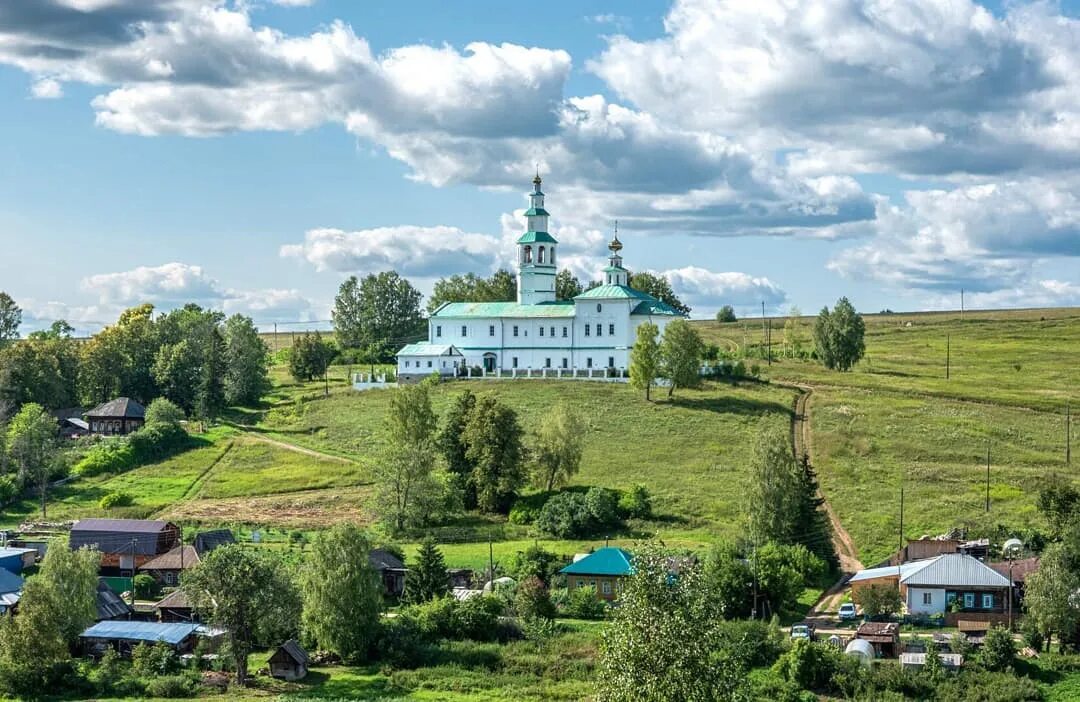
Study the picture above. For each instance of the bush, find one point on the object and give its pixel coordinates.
(999, 650)
(154, 660)
(759, 643)
(172, 686)
(878, 600)
(571, 514)
(534, 561)
(603, 506)
(446, 618)
(115, 499)
(9, 488)
(532, 600)
(400, 642)
(582, 603)
(1033, 638)
(522, 513)
(153, 442)
(146, 587)
(636, 504)
(114, 456)
(478, 618)
(809, 665)
(162, 411)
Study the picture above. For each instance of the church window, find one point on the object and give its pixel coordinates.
(406, 364)
(587, 330)
(564, 332)
(438, 330)
(610, 361)
(541, 331)
(564, 362)
(514, 361)
(528, 254)
(464, 331)
(547, 363)
(553, 331)
(429, 364)
(611, 330)
(598, 307)
(599, 329)
(491, 330)
(588, 362)
(540, 255)
(515, 330)
(551, 256)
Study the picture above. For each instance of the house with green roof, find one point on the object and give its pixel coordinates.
(604, 569)
(538, 335)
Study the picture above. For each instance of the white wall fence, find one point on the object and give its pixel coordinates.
(369, 381)
(594, 374)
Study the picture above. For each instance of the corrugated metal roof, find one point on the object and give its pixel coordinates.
(120, 407)
(455, 310)
(957, 570)
(384, 560)
(9, 582)
(609, 292)
(656, 308)
(180, 558)
(423, 348)
(531, 237)
(890, 571)
(109, 604)
(177, 599)
(140, 631)
(609, 560)
(130, 526)
(207, 541)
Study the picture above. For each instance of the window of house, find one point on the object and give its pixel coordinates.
(969, 600)
(406, 364)
(564, 362)
(564, 332)
(606, 587)
(611, 329)
(515, 330)
(580, 583)
(541, 331)
(438, 330)
(491, 330)
(586, 330)
(927, 598)
(987, 600)
(464, 330)
(950, 597)
(588, 362)
(599, 329)
(547, 363)
(514, 361)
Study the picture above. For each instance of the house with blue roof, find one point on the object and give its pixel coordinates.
(604, 569)
(539, 335)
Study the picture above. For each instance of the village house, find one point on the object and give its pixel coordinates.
(167, 567)
(289, 661)
(116, 417)
(175, 607)
(604, 569)
(123, 636)
(70, 422)
(125, 544)
(539, 335)
(391, 571)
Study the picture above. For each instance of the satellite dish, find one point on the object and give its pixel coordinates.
(1012, 547)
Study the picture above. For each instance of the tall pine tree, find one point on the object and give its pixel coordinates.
(816, 534)
(428, 578)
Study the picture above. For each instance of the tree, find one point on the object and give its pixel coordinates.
(500, 287)
(998, 650)
(247, 362)
(163, 411)
(535, 561)
(532, 599)
(450, 442)
(645, 358)
(680, 355)
(665, 642)
(10, 318)
(382, 308)
(793, 336)
(815, 530)
(878, 600)
(405, 482)
(310, 357)
(428, 579)
(766, 581)
(210, 391)
(177, 372)
(249, 594)
(42, 370)
(558, 447)
(774, 492)
(31, 441)
(567, 286)
(838, 336)
(1050, 594)
(73, 577)
(342, 593)
(493, 440)
(725, 315)
(659, 287)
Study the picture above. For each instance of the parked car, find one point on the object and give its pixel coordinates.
(803, 631)
(848, 613)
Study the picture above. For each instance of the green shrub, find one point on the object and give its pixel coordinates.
(152, 442)
(582, 603)
(1033, 638)
(115, 499)
(163, 411)
(522, 513)
(759, 643)
(9, 488)
(113, 456)
(999, 650)
(603, 506)
(571, 514)
(534, 561)
(154, 660)
(636, 503)
(146, 587)
(532, 600)
(172, 686)
(478, 618)
(400, 642)
(809, 665)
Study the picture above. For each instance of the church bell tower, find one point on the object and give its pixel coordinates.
(536, 253)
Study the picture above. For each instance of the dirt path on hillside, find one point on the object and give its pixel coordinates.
(297, 449)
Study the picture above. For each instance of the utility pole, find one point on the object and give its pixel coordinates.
(753, 607)
(275, 337)
(764, 327)
(491, 566)
(987, 475)
(900, 553)
(133, 541)
(961, 304)
(947, 356)
(1068, 436)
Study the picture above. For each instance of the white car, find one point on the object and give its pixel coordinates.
(847, 612)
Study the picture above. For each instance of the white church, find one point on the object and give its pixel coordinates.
(538, 335)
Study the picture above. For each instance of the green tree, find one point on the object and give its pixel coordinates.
(680, 355)
(72, 575)
(1050, 594)
(309, 357)
(163, 411)
(665, 643)
(645, 358)
(793, 333)
(210, 391)
(342, 593)
(659, 287)
(247, 362)
(557, 450)
(774, 493)
(725, 315)
(427, 579)
(532, 599)
(839, 336)
(406, 485)
(567, 286)
(450, 442)
(32, 645)
(42, 370)
(535, 561)
(381, 309)
(177, 372)
(878, 600)
(10, 318)
(493, 438)
(500, 287)
(31, 443)
(998, 651)
(815, 530)
(249, 594)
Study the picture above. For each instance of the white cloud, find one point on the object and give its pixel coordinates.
(168, 284)
(702, 288)
(270, 305)
(46, 89)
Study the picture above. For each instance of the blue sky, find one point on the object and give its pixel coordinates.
(250, 155)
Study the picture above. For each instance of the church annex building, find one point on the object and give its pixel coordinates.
(589, 336)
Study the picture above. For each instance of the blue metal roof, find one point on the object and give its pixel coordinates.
(140, 631)
(603, 561)
(9, 582)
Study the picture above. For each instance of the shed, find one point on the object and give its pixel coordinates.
(120, 416)
(109, 604)
(861, 649)
(175, 607)
(10, 590)
(289, 661)
(391, 570)
(951, 661)
(207, 541)
(883, 636)
(125, 635)
(125, 544)
(15, 559)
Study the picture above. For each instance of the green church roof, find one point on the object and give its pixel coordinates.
(459, 310)
(603, 561)
(656, 308)
(532, 237)
(534, 211)
(614, 292)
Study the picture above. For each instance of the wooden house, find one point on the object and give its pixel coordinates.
(883, 636)
(116, 417)
(125, 544)
(175, 607)
(604, 569)
(391, 570)
(167, 567)
(289, 661)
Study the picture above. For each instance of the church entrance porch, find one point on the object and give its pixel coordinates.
(489, 363)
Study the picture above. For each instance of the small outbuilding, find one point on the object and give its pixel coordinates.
(862, 650)
(391, 571)
(14, 560)
(950, 661)
(123, 636)
(884, 637)
(109, 604)
(289, 661)
(116, 417)
(175, 607)
(10, 590)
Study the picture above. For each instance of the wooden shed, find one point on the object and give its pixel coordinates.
(289, 661)
(883, 636)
